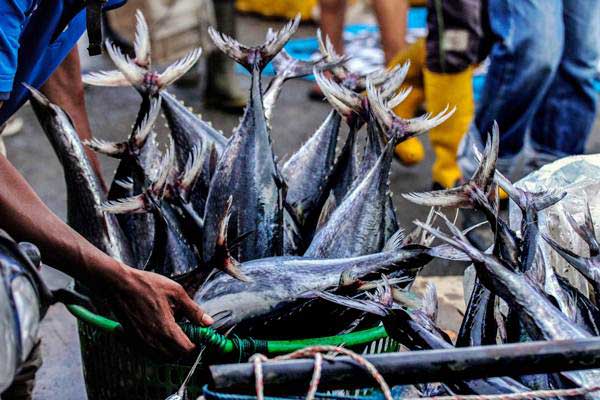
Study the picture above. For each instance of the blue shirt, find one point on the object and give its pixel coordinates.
(35, 37)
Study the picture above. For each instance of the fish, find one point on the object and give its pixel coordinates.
(539, 316)
(247, 170)
(85, 194)
(177, 254)
(479, 325)
(358, 225)
(276, 284)
(308, 174)
(417, 330)
(189, 132)
(137, 72)
(136, 168)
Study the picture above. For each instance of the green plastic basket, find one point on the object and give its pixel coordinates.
(115, 370)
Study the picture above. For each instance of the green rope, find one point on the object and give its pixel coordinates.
(241, 347)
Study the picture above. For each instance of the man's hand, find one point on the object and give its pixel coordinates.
(146, 304)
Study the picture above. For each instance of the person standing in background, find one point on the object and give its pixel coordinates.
(539, 83)
(391, 17)
(222, 89)
(441, 74)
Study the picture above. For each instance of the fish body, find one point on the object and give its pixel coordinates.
(189, 133)
(345, 168)
(188, 129)
(308, 173)
(84, 190)
(247, 172)
(478, 326)
(277, 282)
(293, 241)
(357, 226)
(373, 150)
(181, 255)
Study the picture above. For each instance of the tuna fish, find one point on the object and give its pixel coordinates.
(276, 284)
(308, 174)
(85, 194)
(540, 317)
(416, 329)
(247, 170)
(358, 225)
(180, 256)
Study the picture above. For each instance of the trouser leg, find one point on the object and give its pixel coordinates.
(453, 46)
(523, 64)
(222, 84)
(566, 115)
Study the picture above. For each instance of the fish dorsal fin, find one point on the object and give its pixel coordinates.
(461, 196)
(222, 258)
(396, 241)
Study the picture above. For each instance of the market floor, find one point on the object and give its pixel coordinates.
(112, 111)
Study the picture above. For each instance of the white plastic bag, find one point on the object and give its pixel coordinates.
(579, 176)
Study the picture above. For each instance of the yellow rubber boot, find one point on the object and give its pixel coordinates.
(411, 151)
(454, 89)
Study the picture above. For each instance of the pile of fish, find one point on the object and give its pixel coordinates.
(516, 297)
(247, 237)
(276, 250)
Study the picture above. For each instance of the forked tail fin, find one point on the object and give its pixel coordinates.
(259, 56)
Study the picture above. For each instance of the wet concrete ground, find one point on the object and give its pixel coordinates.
(112, 111)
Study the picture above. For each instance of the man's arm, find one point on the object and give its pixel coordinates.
(144, 302)
(65, 89)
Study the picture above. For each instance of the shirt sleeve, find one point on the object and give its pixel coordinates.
(13, 15)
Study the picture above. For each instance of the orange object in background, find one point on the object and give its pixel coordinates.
(285, 9)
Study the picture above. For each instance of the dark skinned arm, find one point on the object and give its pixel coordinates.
(144, 302)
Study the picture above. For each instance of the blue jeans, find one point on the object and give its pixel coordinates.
(540, 79)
